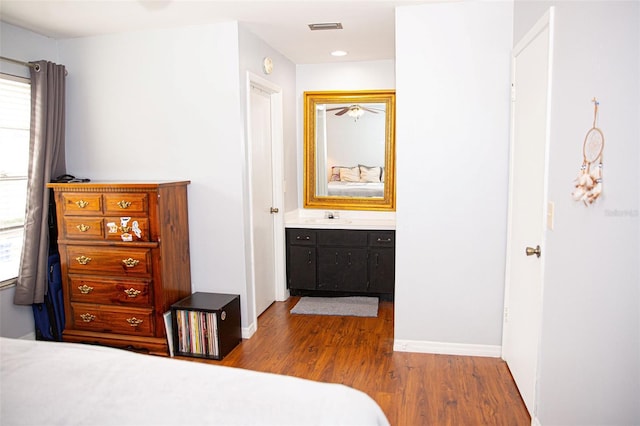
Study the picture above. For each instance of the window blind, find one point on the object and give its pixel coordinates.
(15, 117)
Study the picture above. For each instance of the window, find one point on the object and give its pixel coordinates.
(15, 117)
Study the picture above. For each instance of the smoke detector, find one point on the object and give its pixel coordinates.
(326, 26)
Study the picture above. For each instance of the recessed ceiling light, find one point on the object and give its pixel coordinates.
(338, 53)
(326, 26)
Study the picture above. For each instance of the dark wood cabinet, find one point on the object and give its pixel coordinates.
(303, 266)
(340, 261)
(382, 261)
(301, 258)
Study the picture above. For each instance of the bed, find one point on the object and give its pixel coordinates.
(356, 181)
(356, 189)
(44, 383)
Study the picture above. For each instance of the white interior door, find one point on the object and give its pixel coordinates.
(527, 206)
(262, 200)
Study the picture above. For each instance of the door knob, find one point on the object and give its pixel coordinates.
(530, 251)
(273, 210)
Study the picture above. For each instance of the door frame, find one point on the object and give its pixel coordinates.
(277, 162)
(546, 21)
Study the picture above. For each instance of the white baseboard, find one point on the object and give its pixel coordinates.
(247, 332)
(444, 348)
(535, 422)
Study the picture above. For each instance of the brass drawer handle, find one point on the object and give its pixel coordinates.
(83, 228)
(87, 317)
(134, 322)
(124, 204)
(132, 292)
(85, 289)
(83, 260)
(130, 263)
(82, 203)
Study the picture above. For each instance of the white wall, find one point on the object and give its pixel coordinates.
(365, 75)
(590, 343)
(22, 45)
(164, 105)
(365, 137)
(452, 70)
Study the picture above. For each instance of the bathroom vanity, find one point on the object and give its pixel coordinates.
(340, 257)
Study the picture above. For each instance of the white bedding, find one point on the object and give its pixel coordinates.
(356, 189)
(51, 383)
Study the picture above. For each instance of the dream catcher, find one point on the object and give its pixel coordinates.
(588, 184)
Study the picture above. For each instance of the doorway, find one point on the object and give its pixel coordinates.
(531, 95)
(265, 171)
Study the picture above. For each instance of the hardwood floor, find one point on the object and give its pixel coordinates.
(411, 388)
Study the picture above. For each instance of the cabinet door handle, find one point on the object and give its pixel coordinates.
(309, 258)
(377, 255)
(303, 237)
(388, 240)
(336, 258)
(349, 259)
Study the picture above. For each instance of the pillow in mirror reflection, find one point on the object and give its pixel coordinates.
(335, 174)
(350, 174)
(370, 174)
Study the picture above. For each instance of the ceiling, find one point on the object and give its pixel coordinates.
(368, 25)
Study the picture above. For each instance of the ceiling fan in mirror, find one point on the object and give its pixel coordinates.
(355, 110)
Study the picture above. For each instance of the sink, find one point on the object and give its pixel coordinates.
(325, 221)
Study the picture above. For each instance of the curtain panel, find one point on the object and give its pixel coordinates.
(46, 161)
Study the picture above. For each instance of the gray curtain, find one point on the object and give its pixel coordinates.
(46, 161)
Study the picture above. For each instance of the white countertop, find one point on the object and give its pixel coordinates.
(343, 219)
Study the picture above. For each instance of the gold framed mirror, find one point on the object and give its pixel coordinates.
(349, 150)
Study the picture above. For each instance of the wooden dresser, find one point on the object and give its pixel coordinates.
(124, 251)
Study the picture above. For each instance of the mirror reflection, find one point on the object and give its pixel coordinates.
(352, 138)
(349, 150)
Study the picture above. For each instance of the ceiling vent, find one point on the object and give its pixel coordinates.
(326, 26)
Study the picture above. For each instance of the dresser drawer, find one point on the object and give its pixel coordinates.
(301, 236)
(87, 228)
(127, 228)
(81, 203)
(112, 319)
(94, 290)
(126, 203)
(382, 239)
(341, 237)
(109, 260)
